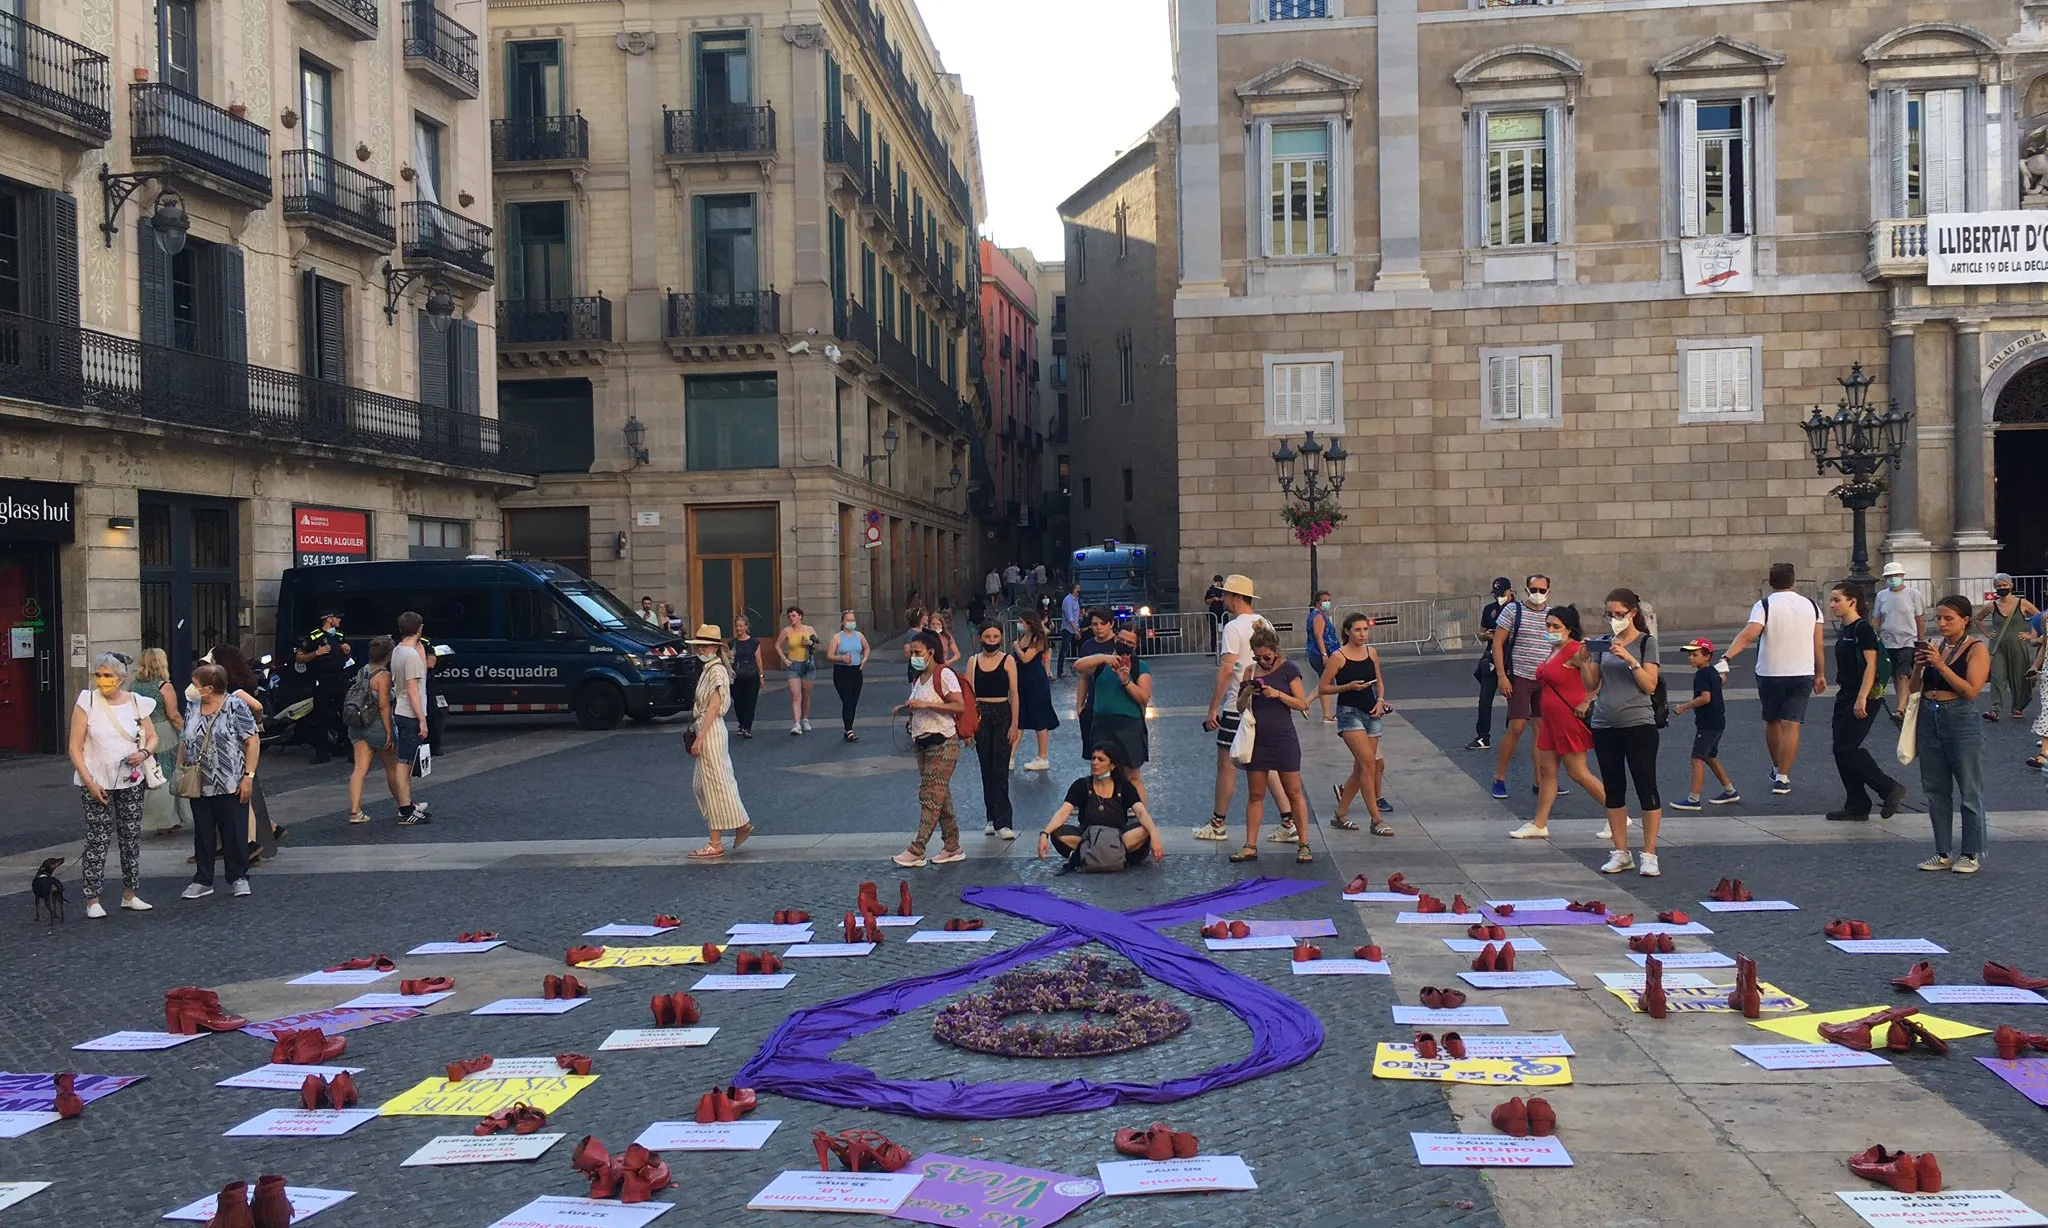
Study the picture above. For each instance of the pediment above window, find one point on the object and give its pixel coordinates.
(1717, 63)
(1299, 85)
(1523, 71)
(1931, 49)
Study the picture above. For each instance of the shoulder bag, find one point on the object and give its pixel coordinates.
(190, 780)
(1101, 851)
(1246, 737)
(152, 771)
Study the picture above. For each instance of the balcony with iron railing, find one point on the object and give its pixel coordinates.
(747, 313)
(556, 321)
(719, 133)
(535, 141)
(867, 17)
(1898, 248)
(53, 85)
(222, 150)
(338, 199)
(99, 373)
(846, 155)
(434, 236)
(440, 48)
(355, 18)
(855, 325)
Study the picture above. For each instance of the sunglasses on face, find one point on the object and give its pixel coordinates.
(1537, 592)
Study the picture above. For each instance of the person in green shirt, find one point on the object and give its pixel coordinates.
(1120, 689)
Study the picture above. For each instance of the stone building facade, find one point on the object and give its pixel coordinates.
(734, 304)
(1013, 436)
(223, 225)
(1049, 282)
(1567, 277)
(1122, 263)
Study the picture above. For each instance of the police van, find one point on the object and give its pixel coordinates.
(516, 636)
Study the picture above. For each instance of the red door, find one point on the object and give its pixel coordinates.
(26, 629)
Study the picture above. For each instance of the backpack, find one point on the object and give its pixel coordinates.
(1660, 702)
(359, 706)
(968, 723)
(1101, 851)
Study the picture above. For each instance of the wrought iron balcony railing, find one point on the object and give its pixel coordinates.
(532, 321)
(56, 364)
(56, 74)
(540, 138)
(750, 313)
(441, 42)
(357, 17)
(721, 130)
(316, 185)
(441, 236)
(165, 122)
(855, 325)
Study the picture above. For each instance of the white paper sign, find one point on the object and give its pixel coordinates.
(762, 935)
(717, 1136)
(1749, 906)
(530, 1006)
(657, 1038)
(1439, 918)
(829, 950)
(1807, 1057)
(887, 922)
(522, 1068)
(1473, 946)
(1203, 1173)
(1658, 927)
(279, 1077)
(1953, 1209)
(1886, 946)
(456, 948)
(619, 929)
(1380, 897)
(1685, 959)
(1488, 1151)
(491, 1149)
(347, 976)
(1557, 905)
(1980, 995)
(556, 1211)
(306, 1202)
(301, 1123)
(861, 1193)
(136, 1042)
(1508, 1046)
(12, 1192)
(1672, 980)
(1464, 1016)
(720, 980)
(954, 936)
(386, 1001)
(1543, 979)
(14, 1125)
(1340, 967)
(1271, 942)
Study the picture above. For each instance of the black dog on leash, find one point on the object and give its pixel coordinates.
(49, 890)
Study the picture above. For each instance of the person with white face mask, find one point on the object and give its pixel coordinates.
(1323, 642)
(934, 707)
(1624, 722)
(1900, 616)
(849, 657)
(716, 789)
(1519, 650)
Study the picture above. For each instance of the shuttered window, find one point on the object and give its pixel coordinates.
(323, 318)
(1717, 382)
(1304, 396)
(1716, 152)
(1935, 165)
(1519, 388)
(448, 365)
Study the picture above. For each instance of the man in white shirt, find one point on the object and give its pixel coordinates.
(409, 711)
(1012, 580)
(1900, 614)
(648, 614)
(992, 586)
(1233, 666)
(1791, 667)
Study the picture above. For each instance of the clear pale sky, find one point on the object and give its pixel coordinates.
(1061, 87)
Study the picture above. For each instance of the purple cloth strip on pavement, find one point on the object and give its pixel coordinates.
(796, 1059)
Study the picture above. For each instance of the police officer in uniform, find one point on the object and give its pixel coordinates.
(325, 654)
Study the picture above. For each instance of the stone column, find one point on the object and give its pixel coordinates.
(1905, 543)
(1976, 552)
(1201, 156)
(1400, 152)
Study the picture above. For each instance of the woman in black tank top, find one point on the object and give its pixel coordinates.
(1352, 674)
(993, 675)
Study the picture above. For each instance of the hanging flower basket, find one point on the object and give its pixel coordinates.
(1312, 522)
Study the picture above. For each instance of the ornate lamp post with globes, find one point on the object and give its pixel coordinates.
(1310, 477)
(1858, 441)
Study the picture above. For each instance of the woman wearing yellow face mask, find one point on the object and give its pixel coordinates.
(111, 738)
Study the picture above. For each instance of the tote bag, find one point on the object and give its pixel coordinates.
(1909, 730)
(1247, 736)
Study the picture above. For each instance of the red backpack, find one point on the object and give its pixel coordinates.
(968, 723)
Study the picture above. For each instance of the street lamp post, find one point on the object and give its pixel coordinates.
(1858, 441)
(1310, 477)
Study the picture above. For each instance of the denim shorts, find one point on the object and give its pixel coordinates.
(1357, 720)
(802, 669)
(1784, 699)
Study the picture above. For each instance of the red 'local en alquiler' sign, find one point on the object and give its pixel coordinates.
(329, 535)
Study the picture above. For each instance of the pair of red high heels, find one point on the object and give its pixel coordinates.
(1428, 903)
(1845, 928)
(1592, 906)
(1486, 932)
(767, 963)
(1651, 1000)
(380, 961)
(1426, 1045)
(521, 1118)
(1370, 952)
(465, 1067)
(192, 1010)
(1651, 944)
(636, 1176)
(1898, 1023)
(338, 1092)
(1903, 1172)
(726, 1104)
(1524, 1119)
(306, 1047)
(859, 1151)
(868, 901)
(862, 926)
(269, 1208)
(791, 916)
(426, 985)
(963, 924)
(573, 1063)
(476, 936)
(674, 1010)
(1730, 891)
(554, 988)
(1495, 959)
(1227, 929)
(1442, 999)
(664, 921)
(2012, 1042)
(1161, 1142)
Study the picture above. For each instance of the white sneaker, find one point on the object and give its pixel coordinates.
(94, 909)
(199, 891)
(1008, 833)
(1529, 831)
(909, 860)
(1617, 861)
(807, 725)
(1936, 862)
(136, 904)
(1212, 831)
(1038, 765)
(1649, 869)
(989, 828)
(239, 887)
(1966, 864)
(947, 859)
(796, 729)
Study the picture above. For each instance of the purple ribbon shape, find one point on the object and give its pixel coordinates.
(796, 1058)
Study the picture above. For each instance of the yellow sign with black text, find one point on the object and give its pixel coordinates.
(647, 957)
(481, 1097)
(1390, 1062)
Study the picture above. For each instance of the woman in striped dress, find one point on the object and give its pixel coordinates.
(716, 789)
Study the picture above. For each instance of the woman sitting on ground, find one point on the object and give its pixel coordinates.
(1103, 798)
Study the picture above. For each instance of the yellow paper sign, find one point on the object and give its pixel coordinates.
(1807, 1027)
(647, 957)
(1389, 1062)
(1706, 999)
(475, 1097)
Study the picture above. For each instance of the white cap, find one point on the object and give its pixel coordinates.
(1895, 569)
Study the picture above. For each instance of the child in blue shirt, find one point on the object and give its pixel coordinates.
(1709, 725)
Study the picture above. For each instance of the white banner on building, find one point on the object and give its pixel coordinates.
(1987, 249)
(1717, 265)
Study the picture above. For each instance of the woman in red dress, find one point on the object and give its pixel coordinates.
(1563, 699)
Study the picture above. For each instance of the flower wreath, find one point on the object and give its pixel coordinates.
(976, 1022)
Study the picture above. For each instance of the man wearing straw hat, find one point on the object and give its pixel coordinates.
(1233, 665)
(716, 789)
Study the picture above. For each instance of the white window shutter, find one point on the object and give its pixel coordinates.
(1282, 398)
(1696, 381)
(1688, 168)
(1750, 118)
(1500, 388)
(1893, 112)
(1943, 151)
(1535, 373)
(1324, 407)
(1737, 376)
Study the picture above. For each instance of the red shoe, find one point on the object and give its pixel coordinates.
(312, 1093)
(1895, 1169)
(380, 961)
(1928, 1169)
(903, 908)
(1674, 917)
(1643, 944)
(868, 901)
(707, 1108)
(1478, 933)
(1859, 929)
(710, 952)
(190, 1011)
(1723, 892)
(2006, 974)
(1847, 1035)
(952, 924)
(460, 1070)
(1839, 928)
(771, 963)
(1592, 906)
(68, 1104)
(604, 1169)
(1358, 886)
(583, 955)
(1220, 929)
(1159, 1142)
(1399, 883)
(1454, 1045)
(476, 936)
(1370, 953)
(1542, 1118)
(1485, 960)
(527, 1119)
(1495, 933)
(1503, 910)
(874, 929)
(667, 922)
(1926, 1038)
(1663, 943)
(574, 1063)
(1239, 929)
(1742, 895)
(312, 1048)
(1442, 999)
(850, 928)
(550, 987)
(798, 916)
(231, 1209)
(2011, 1042)
(685, 1009)
(1622, 921)
(427, 985)
(1919, 974)
(1506, 962)
(1305, 951)
(1425, 1045)
(1134, 1143)
(1512, 1118)
(646, 1174)
(341, 1091)
(663, 1006)
(1185, 1145)
(1458, 904)
(500, 1120)
(1651, 1000)
(270, 1208)
(743, 1099)
(1429, 903)
(747, 963)
(1898, 1038)
(573, 988)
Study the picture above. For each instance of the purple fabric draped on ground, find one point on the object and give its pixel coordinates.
(797, 1060)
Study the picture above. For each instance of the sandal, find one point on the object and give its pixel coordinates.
(739, 836)
(709, 852)
(1380, 827)
(1341, 823)
(1249, 852)
(1302, 855)
(2034, 761)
